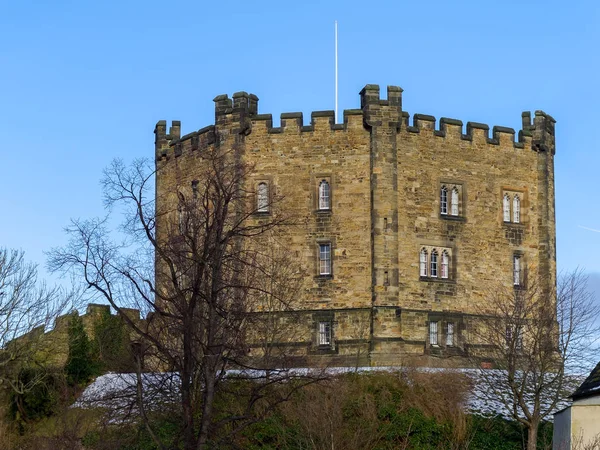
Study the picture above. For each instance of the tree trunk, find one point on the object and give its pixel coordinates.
(186, 390)
(532, 435)
(207, 406)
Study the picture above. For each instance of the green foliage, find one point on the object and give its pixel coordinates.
(373, 411)
(111, 344)
(82, 363)
(134, 436)
(37, 395)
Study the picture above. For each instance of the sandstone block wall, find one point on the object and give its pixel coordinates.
(385, 171)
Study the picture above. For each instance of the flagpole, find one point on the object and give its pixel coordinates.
(336, 72)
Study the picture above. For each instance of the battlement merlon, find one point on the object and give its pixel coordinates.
(371, 103)
(235, 110)
(369, 95)
(542, 130)
(162, 140)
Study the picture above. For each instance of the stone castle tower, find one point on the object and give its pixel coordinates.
(407, 226)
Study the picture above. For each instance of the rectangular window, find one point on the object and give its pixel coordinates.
(433, 266)
(450, 334)
(324, 259)
(445, 259)
(324, 333)
(454, 202)
(517, 270)
(262, 198)
(423, 263)
(516, 209)
(506, 207)
(433, 333)
(444, 200)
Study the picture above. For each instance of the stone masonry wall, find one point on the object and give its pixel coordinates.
(385, 175)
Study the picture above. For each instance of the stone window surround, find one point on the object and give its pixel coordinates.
(450, 334)
(317, 179)
(319, 242)
(318, 318)
(324, 333)
(324, 195)
(523, 198)
(443, 319)
(440, 249)
(270, 192)
(462, 197)
(520, 255)
(434, 333)
(262, 197)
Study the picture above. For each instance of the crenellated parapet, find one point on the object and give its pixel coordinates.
(239, 114)
(454, 127)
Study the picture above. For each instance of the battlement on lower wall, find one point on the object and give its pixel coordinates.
(55, 341)
(241, 113)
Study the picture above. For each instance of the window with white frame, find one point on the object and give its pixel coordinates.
(325, 259)
(433, 264)
(262, 197)
(433, 333)
(506, 207)
(423, 262)
(444, 200)
(450, 334)
(324, 337)
(445, 262)
(324, 195)
(516, 209)
(511, 207)
(450, 199)
(454, 202)
(517, 270)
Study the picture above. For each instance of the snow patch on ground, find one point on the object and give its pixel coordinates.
(118, 391)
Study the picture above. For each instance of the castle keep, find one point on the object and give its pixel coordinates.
(406, 225)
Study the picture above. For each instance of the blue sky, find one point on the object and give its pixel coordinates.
(84, 82)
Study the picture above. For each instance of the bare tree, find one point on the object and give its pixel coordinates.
(213, 279)
(27, 308)
(540, 340)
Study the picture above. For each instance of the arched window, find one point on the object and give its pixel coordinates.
(516, 209)
(517, 270)
(445, 262)
(423, 263)
(324, 195)
(454, 202)
(444, 200)
(262, 197)
(506, 207)
(433, 271)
